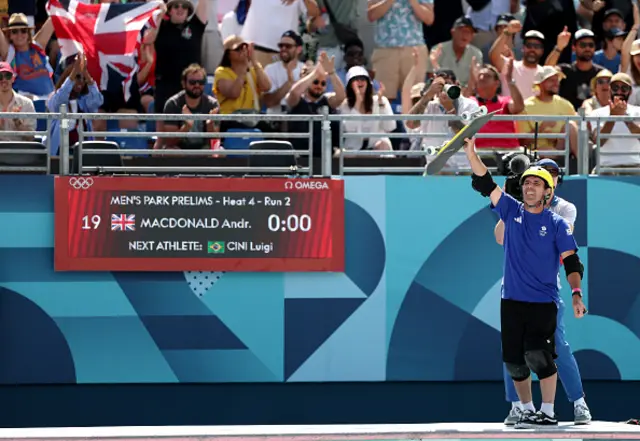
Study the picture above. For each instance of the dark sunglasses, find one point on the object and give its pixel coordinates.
(552, 171)
(531, 45)
(196, 82)
(19, 31)
(584, 45)
(624, 88)
(286, 45)
(322, 83)
(79, 77)
(6, 76)
(603, 81)
(241, 47)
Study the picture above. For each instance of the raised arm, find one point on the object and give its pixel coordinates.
(482, 181)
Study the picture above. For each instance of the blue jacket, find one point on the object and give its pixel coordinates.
(89, 103)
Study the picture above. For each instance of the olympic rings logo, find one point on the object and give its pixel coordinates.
(81, 183)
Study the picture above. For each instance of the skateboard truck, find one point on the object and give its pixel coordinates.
(468, 116)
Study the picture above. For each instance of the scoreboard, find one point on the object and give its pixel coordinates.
(198, 224)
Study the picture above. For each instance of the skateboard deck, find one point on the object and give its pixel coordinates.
(452, 146)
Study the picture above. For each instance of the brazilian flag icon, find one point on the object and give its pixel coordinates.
(215, 248)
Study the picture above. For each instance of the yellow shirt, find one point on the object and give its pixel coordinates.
(245, 100)
(533, 106)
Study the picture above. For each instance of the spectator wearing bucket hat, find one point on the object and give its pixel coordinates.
(26, 55)
(620, 87)
(178, 44)
(547, 102)
(362, 100)
(576, 85)
(599, 92)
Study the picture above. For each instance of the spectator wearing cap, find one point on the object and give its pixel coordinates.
(611, 14)
(361, 100)
(600, 92)
(308, 96)
(353, 56)
(239, 80)
(13, 102)
(437, 102)
(525, 70)
(630, 57)
(502, 24)
(547, 102)
(576, 86)
(613, 19)
(398, 31)
(267, 20)
(620, 87)
(484, 15)
(334, 27)
(178, 43)
(487, 87)
(609, 56)
(79, 92)
(284, 73)
(26, 55)
(458, 53)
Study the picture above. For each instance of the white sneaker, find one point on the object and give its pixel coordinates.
(581, 414)
(514, 416)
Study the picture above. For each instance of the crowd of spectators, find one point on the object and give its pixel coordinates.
(528, 57)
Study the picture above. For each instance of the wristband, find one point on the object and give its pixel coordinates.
(576, 291)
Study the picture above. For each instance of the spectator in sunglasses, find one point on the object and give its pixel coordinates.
(191, 101)
(600, 92)
(309, 95)
(14, 102)
(26, 55)
(620, 86)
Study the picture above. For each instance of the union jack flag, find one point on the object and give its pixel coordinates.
(123, 222)
(109, 34)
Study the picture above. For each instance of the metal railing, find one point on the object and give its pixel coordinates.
(586, 143)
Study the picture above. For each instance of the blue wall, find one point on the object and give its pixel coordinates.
(418, 300)
(396, 337)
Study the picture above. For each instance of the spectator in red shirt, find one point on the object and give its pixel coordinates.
(487, 82)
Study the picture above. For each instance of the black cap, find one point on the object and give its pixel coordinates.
(612, 33)
(463, 22)
(504, 19)
(613, 11)
(294, 36)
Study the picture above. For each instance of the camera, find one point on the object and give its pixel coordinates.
(513, 165)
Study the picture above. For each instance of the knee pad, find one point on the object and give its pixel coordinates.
(541, 362)
(518, 372)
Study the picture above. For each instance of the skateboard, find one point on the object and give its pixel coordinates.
(444, 152)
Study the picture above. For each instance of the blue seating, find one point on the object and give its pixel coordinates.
(240, 143)
(40, 107)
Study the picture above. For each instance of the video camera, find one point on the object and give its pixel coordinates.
(513, 166)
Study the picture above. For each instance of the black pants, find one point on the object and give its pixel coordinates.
(527, 326)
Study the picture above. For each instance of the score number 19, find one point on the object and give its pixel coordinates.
(90, 222)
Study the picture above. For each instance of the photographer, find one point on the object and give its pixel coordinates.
(443, 97)
(567, 366)
(535, 240)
